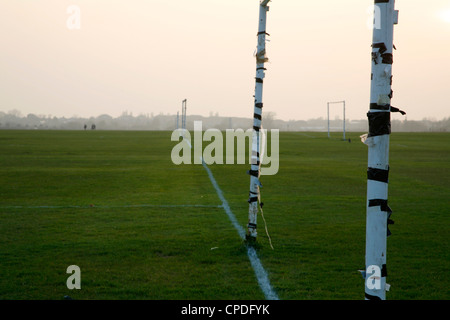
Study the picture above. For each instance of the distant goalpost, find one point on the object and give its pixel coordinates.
(328, 116)
(183, 114)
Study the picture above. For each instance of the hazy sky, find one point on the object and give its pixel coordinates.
(146, 56)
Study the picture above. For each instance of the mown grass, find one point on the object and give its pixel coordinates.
(90, 182)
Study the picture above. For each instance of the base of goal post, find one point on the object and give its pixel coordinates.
(251, 241)
(336, 138)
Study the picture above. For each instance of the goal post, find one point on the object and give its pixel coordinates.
(183, 114)
(255, 168)
(328, 116)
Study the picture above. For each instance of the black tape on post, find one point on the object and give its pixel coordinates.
(379, 175)
(371, 297)
(376, 106)
(384, 207)
(380, 202)
(379, 123)
(254, 173)
(252, 199)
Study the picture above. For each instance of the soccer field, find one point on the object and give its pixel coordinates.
(140, 227)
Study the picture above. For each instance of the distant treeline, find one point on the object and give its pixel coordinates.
(14, 120)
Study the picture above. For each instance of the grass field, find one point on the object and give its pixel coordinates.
(140, 227)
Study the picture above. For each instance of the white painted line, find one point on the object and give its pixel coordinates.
(225, 205)
(306, 135)
(111, 207)
(261, 274)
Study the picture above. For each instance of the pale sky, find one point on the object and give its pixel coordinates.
(146, 56)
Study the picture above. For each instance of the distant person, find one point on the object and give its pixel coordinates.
(85, 127)
(93, 127)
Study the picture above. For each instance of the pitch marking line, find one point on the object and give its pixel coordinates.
(261, 274)
(112, 207)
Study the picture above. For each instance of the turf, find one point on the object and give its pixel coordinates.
(140, 227)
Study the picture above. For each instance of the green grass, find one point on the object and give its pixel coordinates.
(314, 208)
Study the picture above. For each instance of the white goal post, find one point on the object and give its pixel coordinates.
(328, 116)
(183, 114)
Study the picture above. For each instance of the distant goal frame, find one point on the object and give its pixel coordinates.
(328, 117)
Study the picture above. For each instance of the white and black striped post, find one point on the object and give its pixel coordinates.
(379, 117)
(257, 118)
